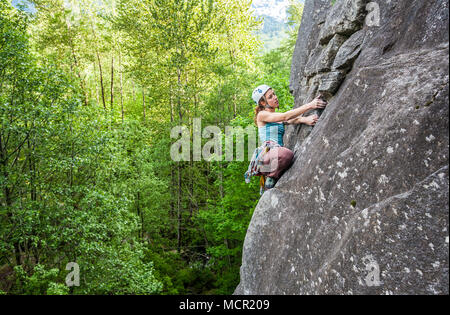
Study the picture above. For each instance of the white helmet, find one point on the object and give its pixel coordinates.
(259, 92)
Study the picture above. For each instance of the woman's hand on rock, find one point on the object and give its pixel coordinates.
(310, 120)
(318, 103)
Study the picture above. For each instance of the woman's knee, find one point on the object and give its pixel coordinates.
(277, 160)
(285, 156)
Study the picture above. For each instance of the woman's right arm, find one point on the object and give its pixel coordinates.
(266, 116)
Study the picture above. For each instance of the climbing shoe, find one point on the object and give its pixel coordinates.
(270, 182)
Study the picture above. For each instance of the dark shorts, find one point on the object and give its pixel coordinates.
(276, 161)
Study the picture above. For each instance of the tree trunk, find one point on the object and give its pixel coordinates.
(233, 67)
(7, 192)
(221, 179)
(138, 208)
(179, 209)
(180, 117)
(101, 80)
(99, 66)
(191, 190)
(121, 84)
(171, 108)
(31, 167)
(112, 81)
(172, 172)
(95, 82)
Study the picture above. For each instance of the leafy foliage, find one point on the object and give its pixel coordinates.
(87, 101)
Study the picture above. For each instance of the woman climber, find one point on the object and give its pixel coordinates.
(271, 159)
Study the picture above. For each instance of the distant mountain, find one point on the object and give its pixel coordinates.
(275, 21)
(276, 9)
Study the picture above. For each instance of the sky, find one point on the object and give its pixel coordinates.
(28, 5)
(273, 8)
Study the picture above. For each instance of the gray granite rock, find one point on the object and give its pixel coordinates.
(327, 58)
(321, 58)
(313, 85)
(330, 83)
(364, 208)
(314, 15)
(313, 60)
(349, 51)
(345, 17)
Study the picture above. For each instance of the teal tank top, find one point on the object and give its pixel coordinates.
(273, 132)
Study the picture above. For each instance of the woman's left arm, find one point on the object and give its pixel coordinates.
(308, 120)
(311, 119)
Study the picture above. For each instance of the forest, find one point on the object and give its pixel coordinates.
(89, 93)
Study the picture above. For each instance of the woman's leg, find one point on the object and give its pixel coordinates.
(277, 160)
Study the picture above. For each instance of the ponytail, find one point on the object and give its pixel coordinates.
(259, 108)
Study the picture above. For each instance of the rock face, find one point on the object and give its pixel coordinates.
(364, 208)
